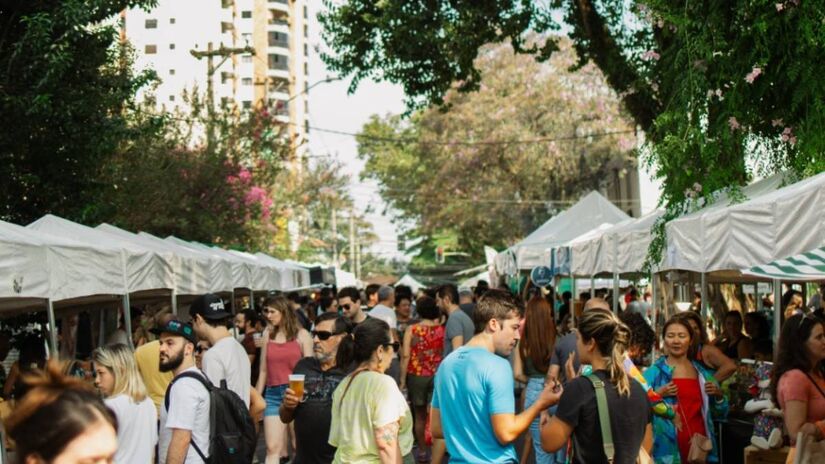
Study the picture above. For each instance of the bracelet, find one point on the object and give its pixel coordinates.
(821, 426)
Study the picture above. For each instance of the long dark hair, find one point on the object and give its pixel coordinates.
(791, 352)
(289, 321)
(682, 319)
(56, 410)
(363, 342)
(539, 334)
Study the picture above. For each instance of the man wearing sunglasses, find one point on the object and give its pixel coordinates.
(312, 413)
(349, 299)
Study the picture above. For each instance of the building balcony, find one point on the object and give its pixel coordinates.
(278, 5)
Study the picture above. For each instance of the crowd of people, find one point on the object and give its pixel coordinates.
(389, 376)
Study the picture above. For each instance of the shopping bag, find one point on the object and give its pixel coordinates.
(808, 450)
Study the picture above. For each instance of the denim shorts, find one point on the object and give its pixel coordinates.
(274, 396)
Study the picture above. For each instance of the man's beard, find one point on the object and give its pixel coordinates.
(323, 357)
(172, 363)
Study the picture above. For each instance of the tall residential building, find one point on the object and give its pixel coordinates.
(276, 74)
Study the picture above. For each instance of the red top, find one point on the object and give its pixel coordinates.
(426, 349)
(281, 359)
(689, 409)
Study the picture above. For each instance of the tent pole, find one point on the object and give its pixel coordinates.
(251, 299)
(615, 293)
(101, 339)
(777, 310)
(175, 303)
(127, 320)
(653, 305)
(756, 297)
(573, 299)
(704, 296)
(592, 286)
(54, 354)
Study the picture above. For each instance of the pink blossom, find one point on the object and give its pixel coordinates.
(254, 195)
(777, 122)
(231, 179)
(244, 175)
(753, 75)
(780, 6)
(733, 123)
(651, 55)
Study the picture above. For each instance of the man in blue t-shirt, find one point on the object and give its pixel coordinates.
(473, 404)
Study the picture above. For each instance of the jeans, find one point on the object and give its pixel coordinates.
(534, 388)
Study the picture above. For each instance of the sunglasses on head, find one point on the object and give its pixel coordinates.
(323, 334)
(395, 345)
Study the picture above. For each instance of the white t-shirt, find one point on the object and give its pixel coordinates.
(386, 314)
(228, 360)
(188, 410)
(137, 425)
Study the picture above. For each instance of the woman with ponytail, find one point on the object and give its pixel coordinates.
(601, 341)
(371, 422)
(690, 389)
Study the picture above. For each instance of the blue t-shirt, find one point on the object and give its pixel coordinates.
(472, 384)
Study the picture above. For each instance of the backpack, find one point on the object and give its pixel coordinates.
(232, 437)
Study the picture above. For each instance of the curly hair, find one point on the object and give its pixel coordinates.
(642, 336)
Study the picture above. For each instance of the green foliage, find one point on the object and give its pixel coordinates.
(62, 90)
(723, 90)
(467, 195)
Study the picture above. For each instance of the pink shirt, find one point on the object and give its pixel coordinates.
(281, 359)
(795, 385)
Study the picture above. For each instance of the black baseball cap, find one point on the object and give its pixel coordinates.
(177, 328)
(209, 306)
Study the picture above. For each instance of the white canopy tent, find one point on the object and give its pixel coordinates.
(192, 272)
(771, 224)
(143, 269)
(240, 276)
(804, 267)
(411, 282)
(292, 276)
(346, 279)
(589, 213)
(266, 276)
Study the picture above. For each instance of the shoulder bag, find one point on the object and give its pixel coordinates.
(604, 424)
(700, 445)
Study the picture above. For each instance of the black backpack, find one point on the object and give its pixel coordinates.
(232, 438)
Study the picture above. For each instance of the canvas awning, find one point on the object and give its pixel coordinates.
(809, 266)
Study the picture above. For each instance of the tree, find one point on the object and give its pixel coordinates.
(62, 92)
(514, 163)
(717, 86)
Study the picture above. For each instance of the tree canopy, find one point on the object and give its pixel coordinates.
(720, 88)
(494, 167)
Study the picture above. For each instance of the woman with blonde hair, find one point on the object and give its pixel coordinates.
(118, 379)
(286, 343)
(601, 341)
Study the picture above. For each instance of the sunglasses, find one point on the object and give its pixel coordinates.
(395, 346)
(323, 334)
(346, 306)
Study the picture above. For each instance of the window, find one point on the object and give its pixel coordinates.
(306, 126)
(306, 49)
(151, 24)
(278, 39)
(306, 13)
(171, 46)
(306, 68)
(306, 106)
(171, 98)
(246, 81)
(151, 49)
(246, 58)
(306, 30)
(172, 72)
(247, 104)
(247, 38)
(246, 14)
(280, 62)
(171, 20)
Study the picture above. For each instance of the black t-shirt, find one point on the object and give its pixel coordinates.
(628, 418)
(313, 416)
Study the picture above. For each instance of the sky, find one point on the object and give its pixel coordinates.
(331, 107)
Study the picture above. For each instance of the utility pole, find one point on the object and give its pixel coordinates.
(210, 54)
(358, 260)
(352, 241)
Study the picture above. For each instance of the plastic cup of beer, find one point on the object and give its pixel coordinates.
(296, 384)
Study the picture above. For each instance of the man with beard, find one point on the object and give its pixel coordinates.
(186, 420)
(312, 413)
(473, 405)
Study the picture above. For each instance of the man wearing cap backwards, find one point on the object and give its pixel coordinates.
(187, 418)
(226, 359)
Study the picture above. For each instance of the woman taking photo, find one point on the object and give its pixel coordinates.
(532, 361)
(118, 379)
(688, 387)
(286, 342)
(601, 341)
(797, 380)
(371, 421)
(421, 354)
(705, 353)
(62, 419)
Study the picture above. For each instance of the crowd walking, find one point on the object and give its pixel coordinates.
(476, 372)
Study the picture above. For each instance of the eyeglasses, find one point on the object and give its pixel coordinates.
(346, 306)
(323, 334)
(395, 346)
